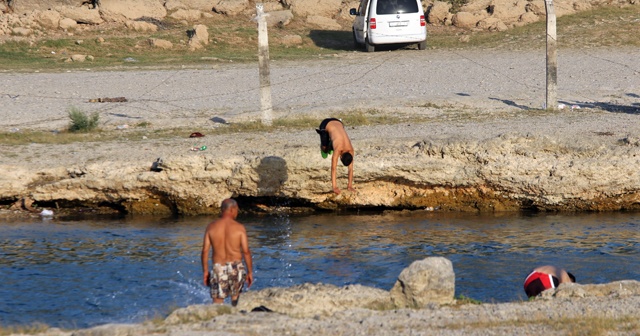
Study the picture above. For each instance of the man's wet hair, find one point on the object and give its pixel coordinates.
(572, 277)
(227, 204)
(346, 159)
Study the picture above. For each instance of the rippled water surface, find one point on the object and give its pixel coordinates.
(84, 273)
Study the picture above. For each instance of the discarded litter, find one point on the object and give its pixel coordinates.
(156, 165)
(561, 106)
(196, 135)
(46, 213)
(130, 59)
(109, 100)
(121, 127)
(196, 149)
(218, 120)
(575, 107)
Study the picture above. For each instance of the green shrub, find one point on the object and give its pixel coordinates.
(80, 122)
(457, 4)
(462, 299)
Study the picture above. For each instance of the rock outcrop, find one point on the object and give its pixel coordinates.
(309, 300)
(623, 288)
(312, 300)
(198, 37)
(312, 309)
(493, 15)
(508, 172)
(298, 305)
(424, 282)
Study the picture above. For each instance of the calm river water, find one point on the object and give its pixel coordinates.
(89, 272)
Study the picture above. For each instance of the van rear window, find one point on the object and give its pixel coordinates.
(396, 6)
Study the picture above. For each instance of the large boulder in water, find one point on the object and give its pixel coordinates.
(426, 281)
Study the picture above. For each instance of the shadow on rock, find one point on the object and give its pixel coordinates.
(272, 174)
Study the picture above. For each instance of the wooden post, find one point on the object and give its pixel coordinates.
(263, 64)
(552, 57)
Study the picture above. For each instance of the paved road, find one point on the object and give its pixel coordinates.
(481, 79)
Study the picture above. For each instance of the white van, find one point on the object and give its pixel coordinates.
(389, 22)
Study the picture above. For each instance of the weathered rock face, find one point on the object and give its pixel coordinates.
(134, 9)
(426, 281)
(230, 7)
(141, 26)
(618, 289)
(198, 37)
(81, 14)
(310, 300)
(509, 172)
(439, 13)
(279, 18)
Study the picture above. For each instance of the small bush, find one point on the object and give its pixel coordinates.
(462, 299)
(80, 122)
(457, 4)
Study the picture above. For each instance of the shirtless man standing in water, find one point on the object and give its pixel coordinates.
(228, 239)
(334, 138)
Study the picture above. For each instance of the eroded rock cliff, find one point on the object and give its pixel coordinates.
(567, 161)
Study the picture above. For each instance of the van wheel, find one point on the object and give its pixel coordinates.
(356, 45)
(368, 46)
(422, 45)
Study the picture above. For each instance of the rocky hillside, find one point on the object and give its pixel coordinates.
(38, 18)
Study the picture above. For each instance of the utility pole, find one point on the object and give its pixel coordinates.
(552, 57)
(263, 63)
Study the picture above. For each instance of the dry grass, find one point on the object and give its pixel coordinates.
(34, 328)
(137, 132)
(609, 26)
(581, 326)
(352, 118)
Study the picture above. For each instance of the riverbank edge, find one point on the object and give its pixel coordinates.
(570, 309)
(565, 161)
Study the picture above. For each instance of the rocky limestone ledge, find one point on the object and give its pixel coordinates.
(507, 172)
(317, 309)
(523, 318)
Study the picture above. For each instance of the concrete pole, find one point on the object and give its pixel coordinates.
(552, 57)
(263, 63)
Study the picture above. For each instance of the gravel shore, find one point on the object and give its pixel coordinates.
(385, 81)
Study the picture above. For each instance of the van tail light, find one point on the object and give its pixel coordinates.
(372, 23)
(422, 21)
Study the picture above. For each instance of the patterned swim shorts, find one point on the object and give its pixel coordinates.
(227, 280)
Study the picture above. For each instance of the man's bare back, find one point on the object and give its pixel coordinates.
(338, 141)
(229, 242)
(557, 272)
(546, 277)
